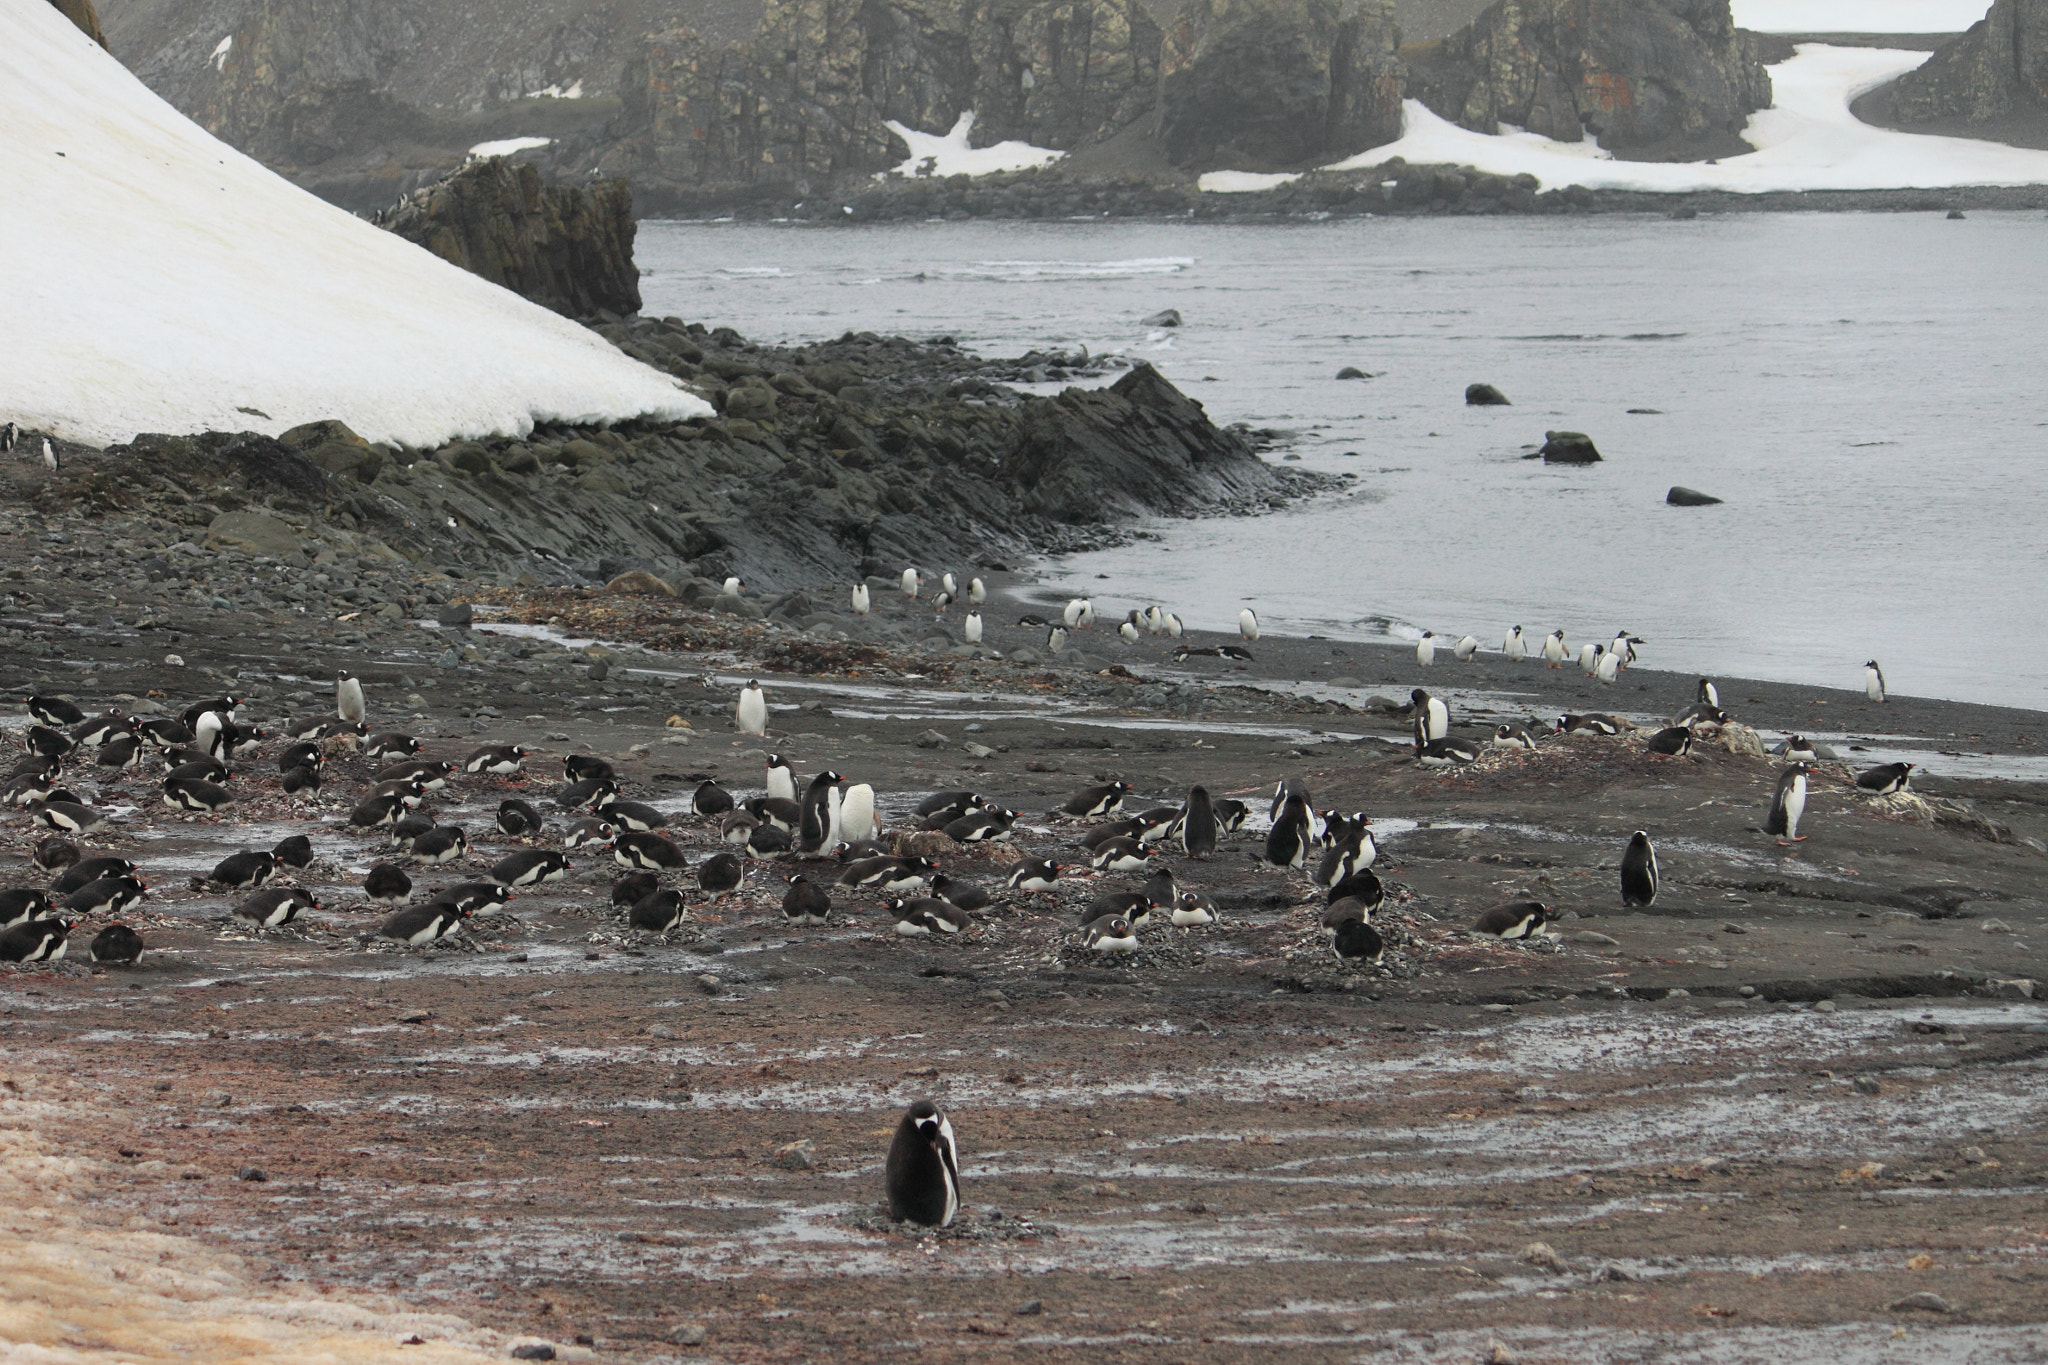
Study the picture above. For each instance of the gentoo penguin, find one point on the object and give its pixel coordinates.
(1160, 890)
(9, 435)
(773, 810)
(348, 696)
(192, 793)
(30, 788)
(645, 849)
(949, 584)
(115, 943)
(714, 800)
(1361, 886)
(981, 827)
(49, 454)
(806, 902)
(1799, 749)
(275, 906)
(98, 730)
(1607, 667)
(1283, 789)
(294, 850)
(857, 814)
(912, 581)
(1033, 874)
(423, 924)
(391, 746)
(1248, 625)
(119, 752)
(348, 732)
(628, 815)
(1675, 740)
(410, 791)
(751, 715)
(517, 818)
(733, 587)
(53, 710)
(1173, 626)
(1873, 681)
(1886, 779)
(1432, 717)
(927, 915)
(737, 827)
(966, 895)
(476, 898)
(500, 760)
(1355, 852)
(888, 873)
(1516, 919)
(1354, 940)
(52, 853)
(1512, 737)
(247, 870)
(1446, 753)
(1589, 659)
(1638, 871)
(763, 841)
(1121, 855)
(1287, 843)
(38, 940)
(720, 875)
(1087, 613)
(1514, 646)
(942, 601)
(305, 777)
(386, 884)
(587, 768)
(1592, 722)
(1116, 829)
(659, 911)
(634, 887)
(1198, 824)
(1159, 823)
(1070, 615)
(977, 591)
(1055, 640)
(1129, 629)
(1624, 645)
(970, 629)
(530, 867)
(1700, 716)
(1110, 934)
(860, 599)
(1425, 649)
(1096, 800)
(819, 813)
(41, 740)
(1710, 695)
(922, 1174)
(410, 830)
(1467, 646)
(86, 871)
(1192, 908)
(1788, 804)
(23, 903)
(442, 844)
(781, 778)
(1554, 652)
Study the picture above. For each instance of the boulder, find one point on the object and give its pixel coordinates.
(1669, 79)
(1568, 447)
(1266, 84)
(257, 533)
(1169, 317)
(466, 456)
(1485, 396)
(639, 583)
(1680, 496)
(750, 402)
(569, 248)
(454, 614)
(1352, 372)
(1996, 69)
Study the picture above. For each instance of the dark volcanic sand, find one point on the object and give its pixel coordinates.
(1230, 1149)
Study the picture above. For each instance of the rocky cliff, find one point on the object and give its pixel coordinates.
(81, 13)
(1652, 79)
(1992, 73)
(566, 248)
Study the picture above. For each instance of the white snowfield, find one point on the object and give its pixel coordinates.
(1807, 140)
(508, 146)
(157, 280)
(950, 154)
(1858, 16)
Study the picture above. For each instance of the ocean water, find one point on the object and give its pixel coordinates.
(1865, 390)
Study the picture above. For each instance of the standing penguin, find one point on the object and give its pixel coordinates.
(1788, 804)
(1710, 695)
(1608, 667)
(781, 781)
(1553, 648)
(1055, 640)
(1873, 681)
(857, 820)
(1514, 646)
(1639, 871)
(751, 715)
(1198, 824)
(977, 591)
(1589, 658)
(971, 627)
(860, 599)
(1287, 843)
(1425, 649)
(1467, 646)
(1432, 717)
(1248, 624)
(819, 815)
(348, 696)
(912, 581)
(922, 1176)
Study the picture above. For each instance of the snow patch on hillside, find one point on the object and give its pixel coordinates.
(949, 154)
(1807, 140)
(1858, 16)
(507, 146)
(159, 280)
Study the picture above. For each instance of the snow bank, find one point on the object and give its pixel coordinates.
(950, 154)
(507, 146)
(1807, 140)
(1858, 16)
(158, 280)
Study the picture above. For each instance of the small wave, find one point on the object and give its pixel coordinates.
(1565, 336)
(1655, 336)
(750, 270)
(1033, 272)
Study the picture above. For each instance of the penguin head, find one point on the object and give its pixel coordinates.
(926, 1118)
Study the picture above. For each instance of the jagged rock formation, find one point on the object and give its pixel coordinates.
(565, 248)
(81, 13)
(1264, 84)
(1997, 69)
(1649, 78)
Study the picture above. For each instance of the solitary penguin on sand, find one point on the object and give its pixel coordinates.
(860, 599)
(1248, 624)
(922, 1175)
(977, 591)
(1638, 871)
(49, 454)
(1516, 919)
(348, 696)
(970, 629)
(1886, 778)
(1788, 804)
(1873, 681)
(1055, 640)
(752, 713)
(1425, 649)
(1514, 646)
(912, 581)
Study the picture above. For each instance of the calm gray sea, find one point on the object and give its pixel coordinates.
(1868, 392)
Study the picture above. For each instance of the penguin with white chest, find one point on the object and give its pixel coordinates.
(1553, 648)
(1248, 625)
(860, 599)
(348, 696)
(922, 1174)
(781, 780)
(1432, 717)
(1425, 649)
(1873, 681)
(1638, 871)
(1515, 646)
(751, 715)
(1788, 805)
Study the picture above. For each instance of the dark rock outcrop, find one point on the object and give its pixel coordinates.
(1568, 447)
(81, 13)
(1485, 396)
(1995, 70)
(1263, 84)
(1681, 496)
(567, 249)
(1660, 79)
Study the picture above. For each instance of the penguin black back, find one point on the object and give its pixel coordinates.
(1198, 824)
(922, 1175)
(1287, 841)
(1638, 871)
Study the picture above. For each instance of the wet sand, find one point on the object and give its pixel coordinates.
(1230, 1148)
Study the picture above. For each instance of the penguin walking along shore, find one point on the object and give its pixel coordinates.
(751, 715)
(1639, 871)
(1873, 681)
(1248, 624)
(1425, 649)
(348, 696)
(1553, 648)
(1788, 804)
(1515, 646)
(922, 1175)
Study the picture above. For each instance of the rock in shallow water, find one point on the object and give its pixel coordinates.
(1485, 396)
(1681, 496)
(1568, 447)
